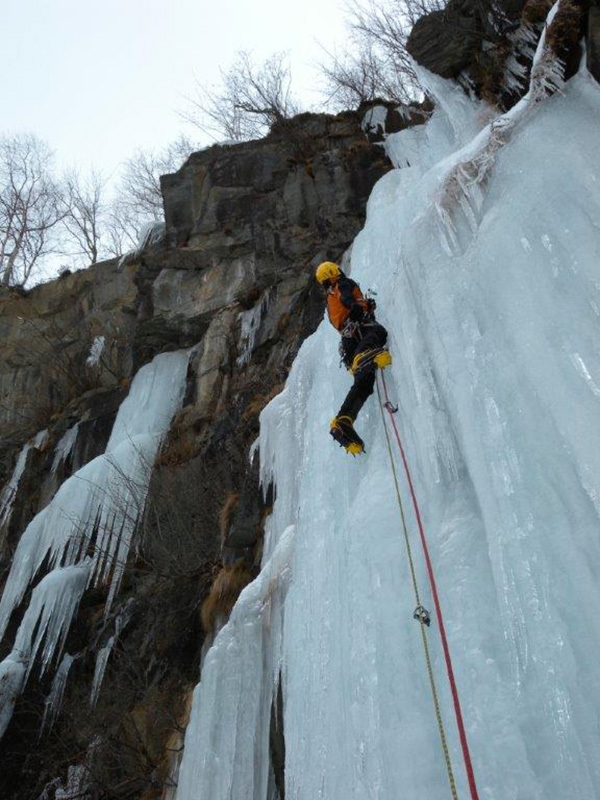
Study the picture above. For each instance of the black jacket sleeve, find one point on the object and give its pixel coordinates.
(347, 286)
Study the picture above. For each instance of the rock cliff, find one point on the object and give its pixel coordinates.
(245, 227)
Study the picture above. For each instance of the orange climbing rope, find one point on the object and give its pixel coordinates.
(438, 610)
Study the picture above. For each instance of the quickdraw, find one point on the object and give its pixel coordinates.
(422, 615)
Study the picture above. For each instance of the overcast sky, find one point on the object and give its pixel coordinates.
(97, 80)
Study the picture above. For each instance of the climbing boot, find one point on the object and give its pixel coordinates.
(365, 360)
(343, 432)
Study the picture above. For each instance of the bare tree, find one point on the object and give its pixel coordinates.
(138, 197)
(358, 76)
(85, 211)
(251, 99)
(122, 228)
(140, 180)
(30, 207)
(377, 65)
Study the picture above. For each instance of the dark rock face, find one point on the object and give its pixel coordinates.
(45, 340)
(593, 42)
(444, 41)
(246, 226)
(448, 42)
(258, 199)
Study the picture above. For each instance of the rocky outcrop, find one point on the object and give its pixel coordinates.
(488, 47)
(447, 42)
(246, 225)
(47, 336)
(443, 41)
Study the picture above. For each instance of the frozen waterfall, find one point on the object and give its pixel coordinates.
(94, 512)
(497, 376)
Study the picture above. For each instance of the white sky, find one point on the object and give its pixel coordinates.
(99, 79)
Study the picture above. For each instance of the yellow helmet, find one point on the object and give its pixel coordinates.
(326, 271)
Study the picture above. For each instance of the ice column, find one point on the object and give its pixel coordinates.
(227, 740)
(104, 652)
(8, 494)
(64, 447)
(99, 506)
(251, 320)
(54, 699)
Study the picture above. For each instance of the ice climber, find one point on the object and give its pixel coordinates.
(362, 347)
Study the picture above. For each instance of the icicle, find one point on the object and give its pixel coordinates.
(238, 684)
(64, 447)
(12, 678)
(151, 234)
(100, 668)
(53, 604)
(124, 617)
(54, 700)
(253, 450)
(250, 325)
(121, 622)
(78, 784)
(374, 120)
(523, 46)
(9, 492)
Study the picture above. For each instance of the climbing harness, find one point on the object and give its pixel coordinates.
(379, 356)
(421, 614)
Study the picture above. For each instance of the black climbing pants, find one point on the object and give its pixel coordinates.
(370, 336)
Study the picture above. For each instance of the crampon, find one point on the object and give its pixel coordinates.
(343, 432)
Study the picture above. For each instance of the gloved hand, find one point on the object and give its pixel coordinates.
(356, 313)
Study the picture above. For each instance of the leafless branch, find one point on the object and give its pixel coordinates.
(249, 101)
(85, 210)
(376, 65)
(138, 197)
(30, 207)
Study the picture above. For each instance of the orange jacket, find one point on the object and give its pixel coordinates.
(340, 298)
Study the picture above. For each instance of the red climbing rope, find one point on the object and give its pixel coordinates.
(438, 610)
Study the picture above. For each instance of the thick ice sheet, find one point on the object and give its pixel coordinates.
(54, 700)
(228, 733)
(496, 372)
(497, 375)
